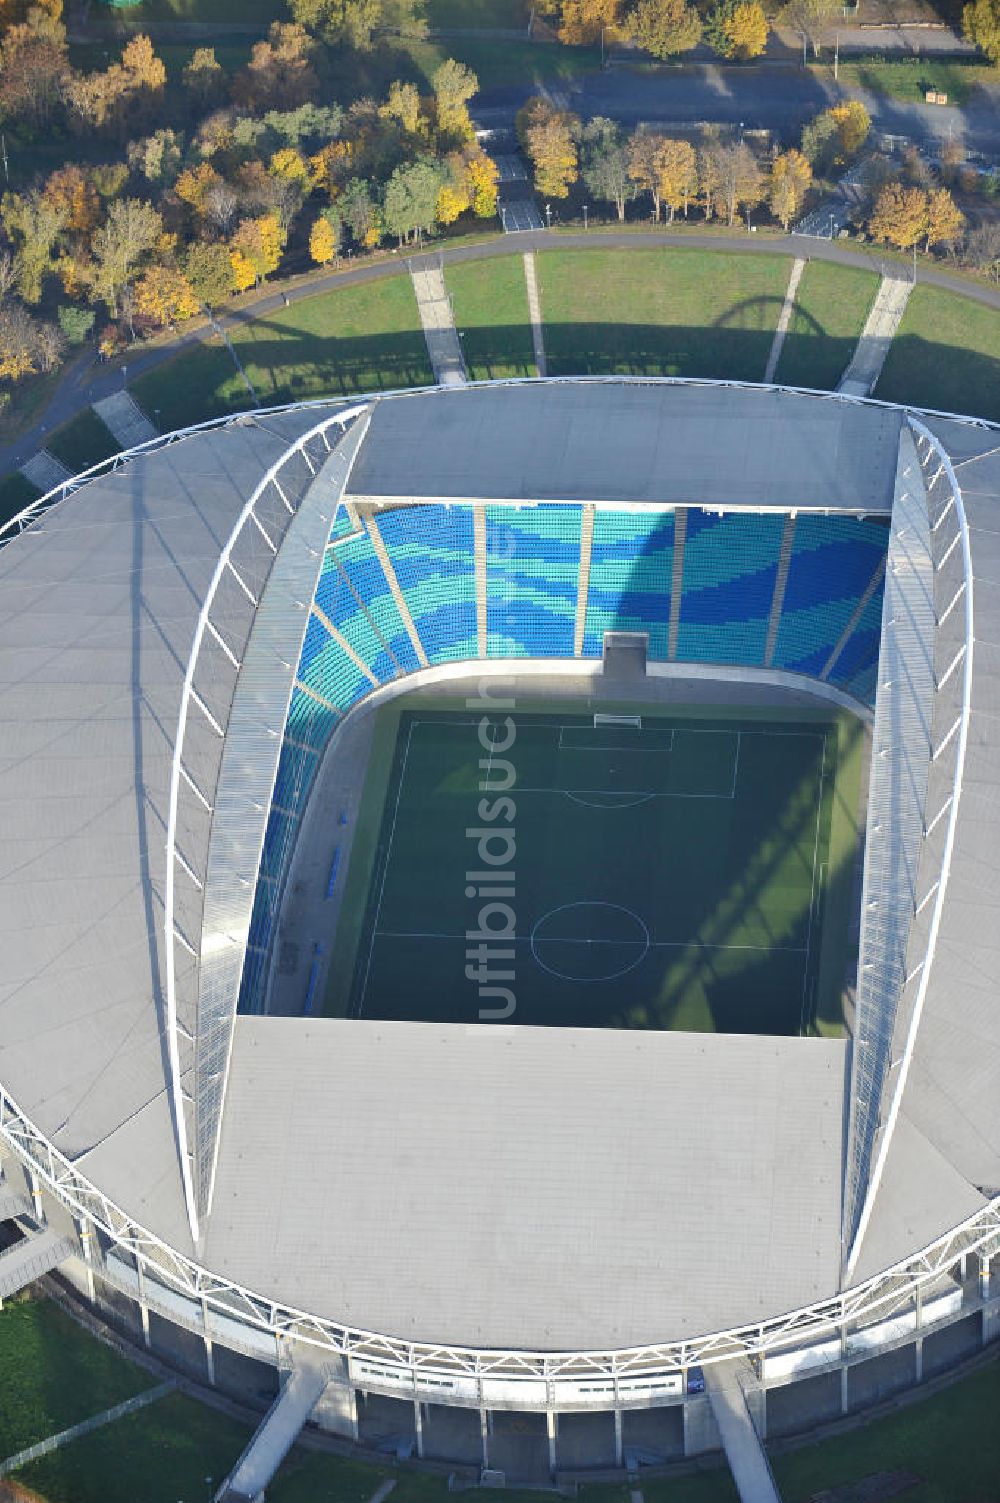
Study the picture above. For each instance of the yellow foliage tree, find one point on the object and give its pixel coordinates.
(322, 242)
(70, 191)
(552, 149)
(193, 185)
(261, 242)
(244, 275)
(789, 183)
(165, 296)
(288, 164)
(899, 216)
(451, 202)
(945, 220)
(676, 169)
(484, 181)
(403, 105)
(853, 125)
(747, 30)
(144, 69)
(583, 20)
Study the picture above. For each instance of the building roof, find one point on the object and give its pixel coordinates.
(513, 1171)
(98, 604)
(553, 1189)
(632, 442)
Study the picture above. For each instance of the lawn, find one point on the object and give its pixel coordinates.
(53, 1374)
(353, 339)
(662, 312)
(831, 306)
(15, 494)
(505, 14)
(908, 79)
(644, 939)
(220, 12)
(946, 355)
(490, 300)
(82, 442)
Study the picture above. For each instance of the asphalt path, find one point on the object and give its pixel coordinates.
(85, 380)
(779, 97)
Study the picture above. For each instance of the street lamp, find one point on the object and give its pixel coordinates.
(585, 216)
(548, 216)
(831, 225)
(741, 132)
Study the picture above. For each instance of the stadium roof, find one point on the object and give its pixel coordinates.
(320, 1197)
(605, 441)
(546, 1188)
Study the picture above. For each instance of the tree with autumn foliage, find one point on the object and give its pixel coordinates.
(280, 73)
(324, 238)
(582, 21)
(549, 137)
(209, 270)
(899, 216)
(737, 29)
(663, 27)
(34, 72)
(788, 184)
(119, 247)
(28, 346)
(454, 85)
(260, 243)
(163, 295)
(945, 220)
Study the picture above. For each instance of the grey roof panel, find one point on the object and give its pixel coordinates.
(632, 442)
(470, 1172)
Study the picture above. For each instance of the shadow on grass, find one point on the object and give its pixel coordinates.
(202, 383)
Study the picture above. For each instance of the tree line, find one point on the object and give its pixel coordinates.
(212, 184)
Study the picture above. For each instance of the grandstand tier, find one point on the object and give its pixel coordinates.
(703, 587)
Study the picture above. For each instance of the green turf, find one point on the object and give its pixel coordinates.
(505, 14)
(669, 878)
(53, 1374)
(831, 306)
(15, 494)
(949, 1441)
(662, 312)
(490, 300)
(82, 442)
(207, 12)
(353, 339)
(908, 79)
(945, 355)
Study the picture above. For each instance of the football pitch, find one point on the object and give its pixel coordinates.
(667, 873)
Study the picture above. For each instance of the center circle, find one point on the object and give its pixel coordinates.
(589, 941)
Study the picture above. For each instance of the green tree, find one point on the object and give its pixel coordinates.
(209, 269)
(33, 223)
(981, 24)
(454, 86)
(664, 27)
(605, 167)
(76, 323)
(411, 197)
(119, 246)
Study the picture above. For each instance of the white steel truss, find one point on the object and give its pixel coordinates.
(158, 1261)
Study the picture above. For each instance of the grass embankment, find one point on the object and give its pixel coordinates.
(15, 494)
(831, 306)
(82, 442)
(53, 1374)
(909, 79)
(490, 302)
(663, 312)
(946, 355)
(338, 343)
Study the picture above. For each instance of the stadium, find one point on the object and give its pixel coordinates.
(499, 914)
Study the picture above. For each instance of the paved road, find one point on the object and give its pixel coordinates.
(86, 381)
(774, 96)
